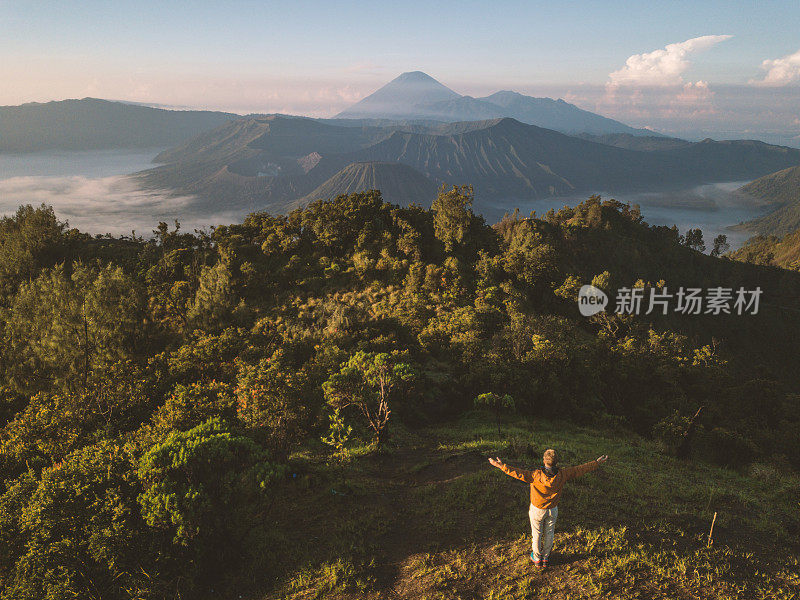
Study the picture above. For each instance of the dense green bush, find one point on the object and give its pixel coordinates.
(74, 531)
(197, 482)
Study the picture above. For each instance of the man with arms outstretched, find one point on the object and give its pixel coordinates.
(546, 484)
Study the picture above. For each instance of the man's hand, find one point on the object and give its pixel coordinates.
(496, 462)
(603, 458)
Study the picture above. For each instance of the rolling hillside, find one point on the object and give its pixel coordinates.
(226, 449)
(772, 250)
(93, 124)
(781, 191)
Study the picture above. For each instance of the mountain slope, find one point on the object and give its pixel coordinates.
(629, 141)
(463, 108)
(258, 162)
(399, 96)
(398, 183)
(557, 114)
(779, 188)
(272, 162)
(729, 160)
(781, 191)
(92, 124)
(771, 250)
(272, 137)
(508, 159)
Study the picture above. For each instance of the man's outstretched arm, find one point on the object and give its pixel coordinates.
(573, 472)
(521, 474)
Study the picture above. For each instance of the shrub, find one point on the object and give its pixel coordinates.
(190, 405)
(338, 434)
(271, 398)
(75, 532)
(195, 482)
(670, 431)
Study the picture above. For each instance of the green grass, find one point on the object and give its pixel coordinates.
(429, 518)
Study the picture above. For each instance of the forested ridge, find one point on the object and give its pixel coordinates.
(155, 393)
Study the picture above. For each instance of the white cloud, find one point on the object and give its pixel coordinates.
(651, 85)
(781, 71)
(662, 67)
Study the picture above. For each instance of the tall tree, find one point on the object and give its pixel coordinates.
(61, 327)
(452, 214)
(721, 245)
(694, 240)
(31, 239)
(214, 300)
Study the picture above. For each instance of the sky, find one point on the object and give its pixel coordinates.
(688, 68)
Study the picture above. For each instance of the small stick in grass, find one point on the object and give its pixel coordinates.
(711, 532)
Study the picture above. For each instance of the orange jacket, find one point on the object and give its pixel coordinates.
(545, 490)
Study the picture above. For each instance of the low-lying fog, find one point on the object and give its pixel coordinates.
(91, 192)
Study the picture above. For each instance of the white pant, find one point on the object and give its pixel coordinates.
(543, 526)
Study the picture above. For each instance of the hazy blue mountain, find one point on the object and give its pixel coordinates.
(732, 160)
(557, 114)
(463, 108)
(418, 97)
(396, 99)
(93, 124)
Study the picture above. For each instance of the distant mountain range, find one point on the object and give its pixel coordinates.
(781, 193)
(418, 96)
(277, 163)
(92, 124)
(406, 139)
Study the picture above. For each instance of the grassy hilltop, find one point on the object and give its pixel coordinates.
(431, 519)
